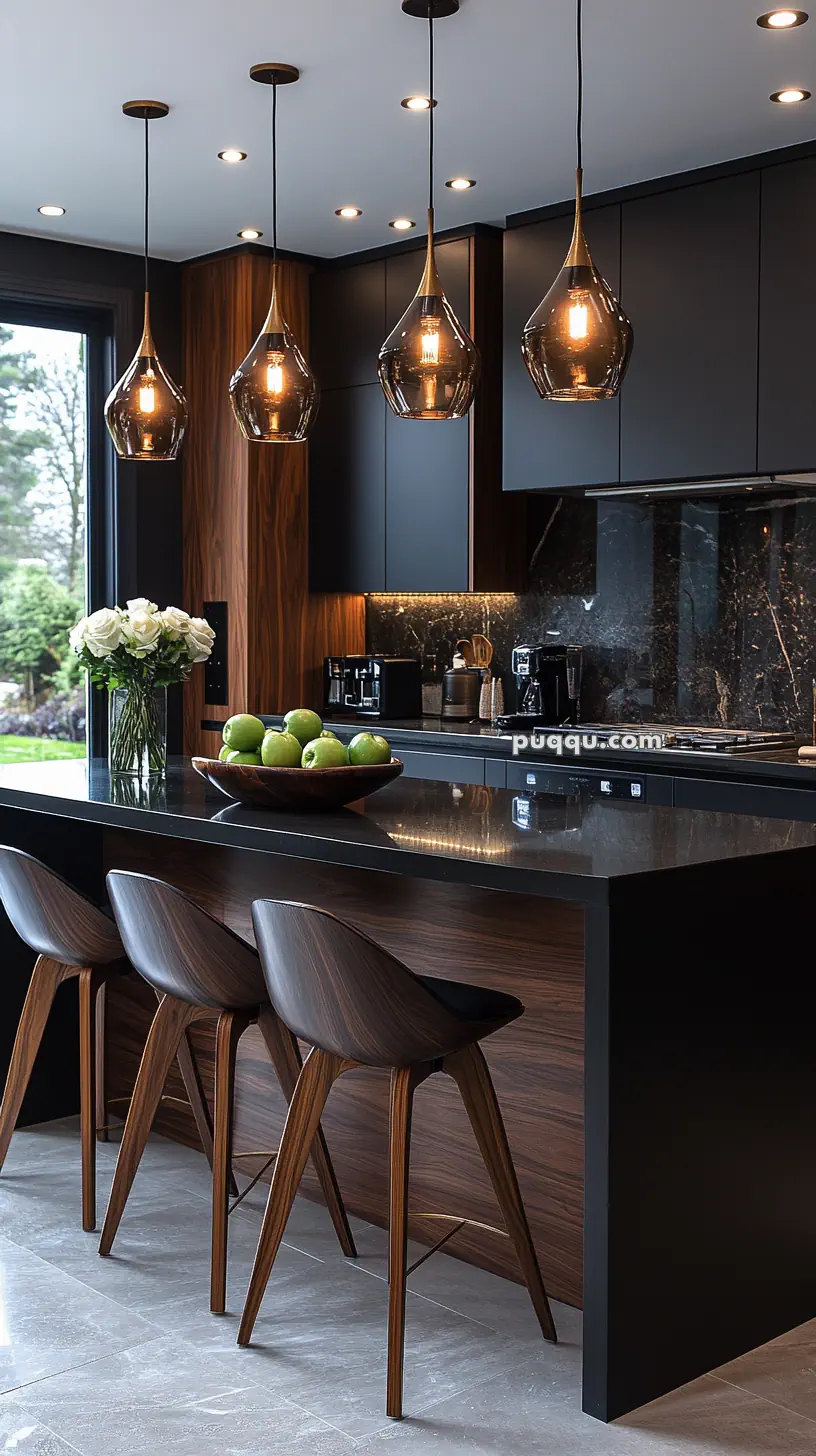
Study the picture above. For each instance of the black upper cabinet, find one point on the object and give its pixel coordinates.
(551, 445)
(690, 285)
(427, 505)
(787, 358)
(348, 324)
(347, 491)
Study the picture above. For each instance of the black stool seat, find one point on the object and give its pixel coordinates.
(478, 1004)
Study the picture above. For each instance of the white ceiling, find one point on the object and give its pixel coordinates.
(670, 84)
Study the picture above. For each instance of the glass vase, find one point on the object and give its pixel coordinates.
(137, 731)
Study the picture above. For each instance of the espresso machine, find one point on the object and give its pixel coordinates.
(548, 686)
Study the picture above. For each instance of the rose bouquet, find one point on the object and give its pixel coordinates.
(136, 652)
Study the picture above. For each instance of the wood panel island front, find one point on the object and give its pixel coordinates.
(658, 1093)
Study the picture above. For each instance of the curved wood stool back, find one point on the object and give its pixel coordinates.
(360, 1006)
(200, 967)
(73, 938)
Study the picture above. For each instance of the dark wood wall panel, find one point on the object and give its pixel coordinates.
(246, 508)
(533, 948)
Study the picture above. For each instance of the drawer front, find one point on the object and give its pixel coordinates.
(446, 768)
(764, 800)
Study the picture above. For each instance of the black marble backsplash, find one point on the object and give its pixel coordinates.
(692, 611)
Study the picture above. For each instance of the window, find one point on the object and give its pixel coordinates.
(43, 536)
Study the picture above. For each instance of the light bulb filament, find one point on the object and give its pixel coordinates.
(147, 393)
(274, 375)
(578, 321)
(430, 348)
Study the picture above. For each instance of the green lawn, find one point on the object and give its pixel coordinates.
(16, 749)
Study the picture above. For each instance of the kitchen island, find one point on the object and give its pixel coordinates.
(658, 1093)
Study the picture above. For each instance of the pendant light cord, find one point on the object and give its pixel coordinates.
(580, 49)
(146, 204)
(274, 174)
(430, 108)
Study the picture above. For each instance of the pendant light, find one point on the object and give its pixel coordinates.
(146, 413)
(274, 393)
(429, 365)
(578, 342)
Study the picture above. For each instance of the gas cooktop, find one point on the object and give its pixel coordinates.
(670, 736)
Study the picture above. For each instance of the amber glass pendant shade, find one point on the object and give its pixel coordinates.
(429, 365)
(274, 393)
(146, 413)
(578, 342)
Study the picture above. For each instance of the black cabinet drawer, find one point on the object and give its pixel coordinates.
(765, 801)
(445, 768)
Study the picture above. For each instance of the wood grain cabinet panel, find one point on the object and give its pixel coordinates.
(552, 445)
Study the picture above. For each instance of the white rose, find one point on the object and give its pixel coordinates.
(141, 605)
(76, 636)
(175, 622)
(102, 631)
(141, 632)
(200, 638)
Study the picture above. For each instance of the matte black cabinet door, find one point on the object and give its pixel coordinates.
(787, 357)
(427, 505)
(427, 463)
(347, 324)
(347, 491)
(549, 445)
(690, 285)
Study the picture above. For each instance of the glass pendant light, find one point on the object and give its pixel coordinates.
(146, 413)
(578, 342)
(429, 365)
(274, 393)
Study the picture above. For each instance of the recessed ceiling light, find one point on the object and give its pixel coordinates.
(790, 95)
(250, 235)
(51, 209)
(460, 184)
(402, 224)
(232, 154)
(349, 213)
(782, 19)
(417, 103)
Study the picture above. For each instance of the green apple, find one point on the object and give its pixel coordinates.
(235, 756)
(369, 748)
(280, 750)
(304, 724)
(225, 753)
(327, 733)
(325, 753)
(243, 732)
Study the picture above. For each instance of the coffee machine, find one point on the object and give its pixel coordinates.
(548, 686)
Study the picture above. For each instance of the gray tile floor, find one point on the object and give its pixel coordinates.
(120, 1354)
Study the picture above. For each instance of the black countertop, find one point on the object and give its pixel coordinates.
(780, 766)
(418, 828)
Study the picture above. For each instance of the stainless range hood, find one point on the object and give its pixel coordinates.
(737, 486)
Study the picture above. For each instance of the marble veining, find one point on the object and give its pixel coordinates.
(692, 611)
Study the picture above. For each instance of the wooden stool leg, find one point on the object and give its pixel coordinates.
(472, 1076)
(285, 1056)
(100, 1100)
(90, 982)
(46, 977)
(231, 1025)
(320, 1070)
(169, 1024)
(404, 1082)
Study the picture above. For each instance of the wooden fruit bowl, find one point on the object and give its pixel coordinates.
(296, 788)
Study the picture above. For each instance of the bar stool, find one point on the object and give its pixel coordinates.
(200, 968)
(73, 939)
(359, 1006)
